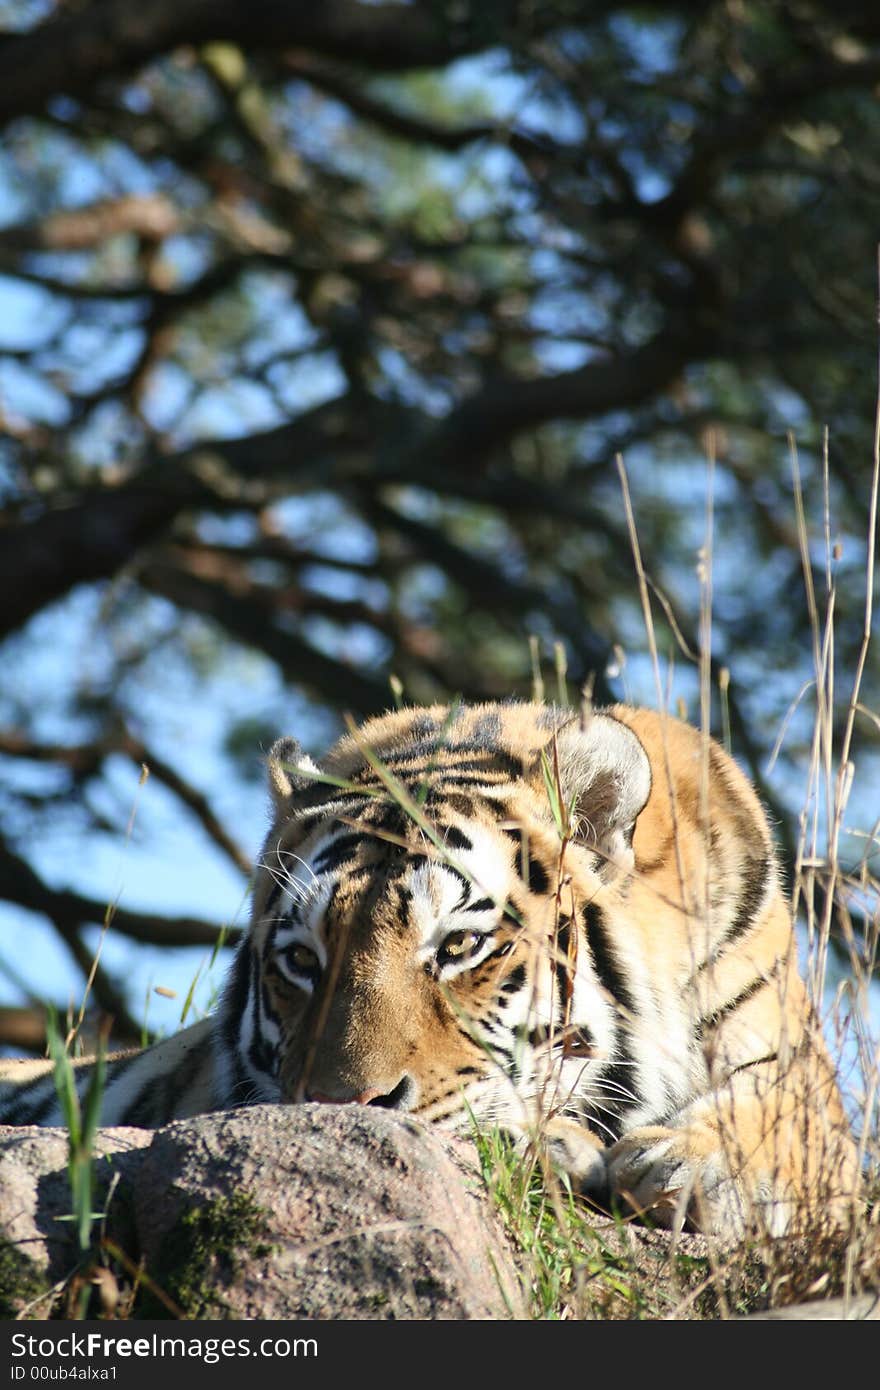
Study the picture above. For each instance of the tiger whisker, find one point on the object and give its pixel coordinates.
(301, 892)
(282, 854)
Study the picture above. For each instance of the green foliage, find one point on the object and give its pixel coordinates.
(569, 1264)
(563, 814)
(81, 1119)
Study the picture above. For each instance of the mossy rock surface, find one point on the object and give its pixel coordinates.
(23, 1286)
(316, 1211)
(202, 1254)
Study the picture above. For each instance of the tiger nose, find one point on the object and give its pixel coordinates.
(400, 1097)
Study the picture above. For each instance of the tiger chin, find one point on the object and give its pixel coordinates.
(567, 925)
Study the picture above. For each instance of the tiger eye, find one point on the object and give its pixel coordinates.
(458, 945)
(301, 957)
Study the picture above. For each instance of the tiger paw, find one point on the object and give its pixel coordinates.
(675, 1181)
(577, 1153)
(570, 1149)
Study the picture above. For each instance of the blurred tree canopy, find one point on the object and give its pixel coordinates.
(321, 329)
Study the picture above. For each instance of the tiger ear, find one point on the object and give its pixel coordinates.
(286, 759)
(605, 776)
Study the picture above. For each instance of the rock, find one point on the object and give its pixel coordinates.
(37, 1243)
(327, 1212)
(317, 1211)
(290, 1212)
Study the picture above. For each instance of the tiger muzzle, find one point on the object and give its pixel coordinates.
(403, 1096)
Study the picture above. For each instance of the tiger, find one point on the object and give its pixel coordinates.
(568, 925)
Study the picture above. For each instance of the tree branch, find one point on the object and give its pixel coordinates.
(97, 535)
(252, 621)
(498, 591)
(73, 50)
(20, 884)
(419, 129)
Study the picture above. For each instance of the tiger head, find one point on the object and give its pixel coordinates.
(417, 936)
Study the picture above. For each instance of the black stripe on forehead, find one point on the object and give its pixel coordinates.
(388, 825)
(484, 904)
(344, 847)
(448, 799)
(453, 838)
(439, 801)
(413, 763)
(320, 801)
(385, 817)
(483, 735)
(424, 724)
(388, 817)
(454, 777)
(366, 815)
(350, 824)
